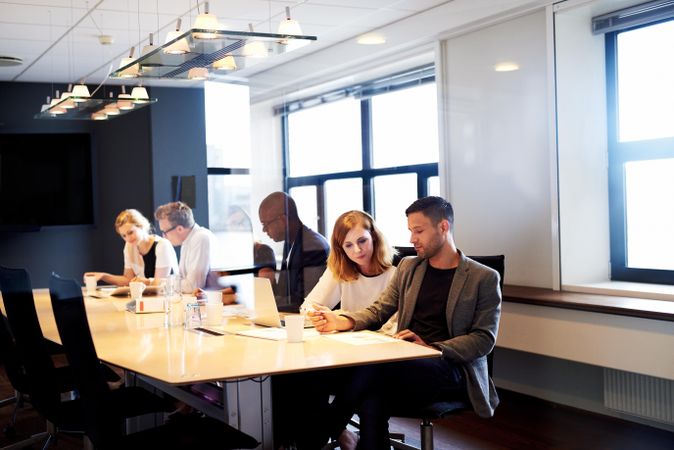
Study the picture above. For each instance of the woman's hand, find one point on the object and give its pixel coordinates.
(146, 281)
(98, 275)
(323, 319)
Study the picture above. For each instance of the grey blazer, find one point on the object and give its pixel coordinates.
(473, 311)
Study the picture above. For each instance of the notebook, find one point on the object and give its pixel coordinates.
(121, 291)
(266, 312)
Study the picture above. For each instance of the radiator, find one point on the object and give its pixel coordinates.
(639, 395)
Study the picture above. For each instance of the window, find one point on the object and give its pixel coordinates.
(372, 147)
(229, 184)
(640, 69)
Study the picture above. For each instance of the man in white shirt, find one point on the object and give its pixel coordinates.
(177, 224)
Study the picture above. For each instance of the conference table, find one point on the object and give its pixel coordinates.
(169, 358)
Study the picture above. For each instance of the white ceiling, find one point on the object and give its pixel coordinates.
(58, 39)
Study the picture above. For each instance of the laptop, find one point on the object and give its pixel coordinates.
(266, 312)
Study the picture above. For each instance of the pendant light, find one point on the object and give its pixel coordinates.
(80, 93)
(150, 47)
(179, 47)
(289, 26)
(198, 73)
(131, 71)
(226, 63)
(53, 109)
(254, 49)
(67, 104)
(206, 21)
(139, 95)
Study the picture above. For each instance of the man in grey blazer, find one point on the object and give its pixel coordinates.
(446, 301)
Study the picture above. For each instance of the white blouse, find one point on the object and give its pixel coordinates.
(354, 295)
(165, 254)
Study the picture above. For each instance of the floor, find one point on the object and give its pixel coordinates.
(521, 422)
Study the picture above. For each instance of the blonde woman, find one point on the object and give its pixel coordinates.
(359, 266)
(147, 257)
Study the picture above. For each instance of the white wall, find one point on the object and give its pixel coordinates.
(498, 161)
(581, 118)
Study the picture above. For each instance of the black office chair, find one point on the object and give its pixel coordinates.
(104, 409)
(41, 381)
(439, 410)
(16, 375)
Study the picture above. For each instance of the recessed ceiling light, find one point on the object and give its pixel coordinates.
(506, 66)
(9, 61)
(371, 39)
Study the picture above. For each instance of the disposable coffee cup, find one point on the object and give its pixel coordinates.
(90, 283)
(136, 289)
(294, 327)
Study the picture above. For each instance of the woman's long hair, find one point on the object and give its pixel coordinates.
(339, 263)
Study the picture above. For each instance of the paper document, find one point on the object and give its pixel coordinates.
(276, 334)
(362, 338)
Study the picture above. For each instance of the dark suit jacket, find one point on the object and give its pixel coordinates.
(301, 269)
(473, 312)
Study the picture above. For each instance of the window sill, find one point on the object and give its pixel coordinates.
(633, 305)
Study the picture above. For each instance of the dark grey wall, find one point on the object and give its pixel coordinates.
(134, 158)
(179, 145)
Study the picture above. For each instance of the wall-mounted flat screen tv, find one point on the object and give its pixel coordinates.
(45, 180)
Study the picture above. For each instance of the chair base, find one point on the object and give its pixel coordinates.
(425, 433)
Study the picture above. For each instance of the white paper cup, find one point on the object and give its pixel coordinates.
(294, 327)
(136, 289)
(214, 313)
(214, 297)
(90, 283)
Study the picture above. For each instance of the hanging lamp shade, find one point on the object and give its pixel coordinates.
(198, 73)
(179, 47)
(129, 72)
(81, 93)
(124, 102)
(289, 26)
(206, 21)
(226, 63)
(139, 95)
(150, 47)
(254, 49)
(53, 109)
(67, 104)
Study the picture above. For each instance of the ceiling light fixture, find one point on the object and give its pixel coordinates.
(198, 74)
(371, 39)
(173, 45)
(506, 66)
(226, 63)
(127, 67)
(92, 108)
(209, 46)
(207, 22)
(254, 49)
(289, 26)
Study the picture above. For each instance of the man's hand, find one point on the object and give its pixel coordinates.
(410, 336)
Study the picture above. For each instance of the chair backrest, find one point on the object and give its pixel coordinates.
(31, 348)
(496, 262)
(102, 423)
(10, 359)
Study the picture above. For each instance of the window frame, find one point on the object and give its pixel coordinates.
(365, 92)
(620, 153)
